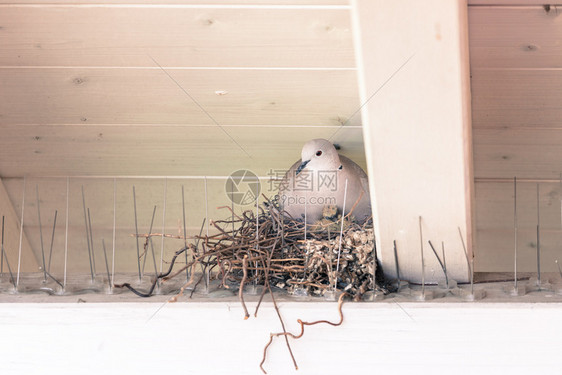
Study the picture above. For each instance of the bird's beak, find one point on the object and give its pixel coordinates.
(302, 166)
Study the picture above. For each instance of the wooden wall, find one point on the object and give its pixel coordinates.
(516, 62)
(93, 89)
(185, 88)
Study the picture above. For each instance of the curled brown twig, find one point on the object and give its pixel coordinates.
(241, 291)
(302, 324)
(183, 288)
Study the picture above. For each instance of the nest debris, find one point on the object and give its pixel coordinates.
(269, 248)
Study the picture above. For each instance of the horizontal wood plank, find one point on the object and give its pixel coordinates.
(133, 150)
(495, 205)
(200, 203)
(11, 231)
(200, 3)
(496, 221)
(494, 250)
(515, 37)
(524, 153)
(110, 96)
(506, 3)
(516, 98)
(180, 37)
(159, 150)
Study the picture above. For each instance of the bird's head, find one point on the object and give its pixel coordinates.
(319, 155)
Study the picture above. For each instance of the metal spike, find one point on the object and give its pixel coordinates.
(440, 263)
(21, 232)
(163, 224)
(2, 256)
(445, 263)
(87, 234)
(137, 233)
(114, 229)
(184, 230)
(41, 234)
(469, 263)
(106, 264)
(422, 262)
(92, 242)
(149, 237)
(52, 241)
(66, 231)
(341, 234)
(515, 233)
(538, 240)
(396, 261)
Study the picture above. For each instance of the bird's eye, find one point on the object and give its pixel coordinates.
(318, 153)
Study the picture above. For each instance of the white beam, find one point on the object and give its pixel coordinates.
(213, 338)
(414, 84)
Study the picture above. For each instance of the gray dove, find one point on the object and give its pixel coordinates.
(318, 181)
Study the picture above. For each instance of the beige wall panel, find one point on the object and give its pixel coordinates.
(506, 3)
(515, 37)
(175, 36)
(160, 150)
(495, 242)
(149, 96)
(98, 199)
(508, 98)
(194, 3)
(12, 220)
(522, 153)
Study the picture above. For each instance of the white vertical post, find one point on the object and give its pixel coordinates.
(414, 84)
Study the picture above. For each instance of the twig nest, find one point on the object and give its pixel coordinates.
(356, 264)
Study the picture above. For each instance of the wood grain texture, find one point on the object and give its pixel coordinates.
(495, 233)
(114, 150)
(525, 153)
(81, 95)
(42, 150)
(180, 37)
(430, 173)
(98, 197)
(516, 98)
(506, 3)
(515, 37)
(12, 220)
(516, 78)
(215, 3)
(109, 96)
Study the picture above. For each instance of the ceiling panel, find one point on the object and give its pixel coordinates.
(508, 98)
(41, 150)
(150, 96)
(176, 37)
(524, 153)
(83, 92)
(503, 3)
(515, 37)
(195, 3)
(516, 66)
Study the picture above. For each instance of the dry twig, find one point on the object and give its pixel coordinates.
(302, 324)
